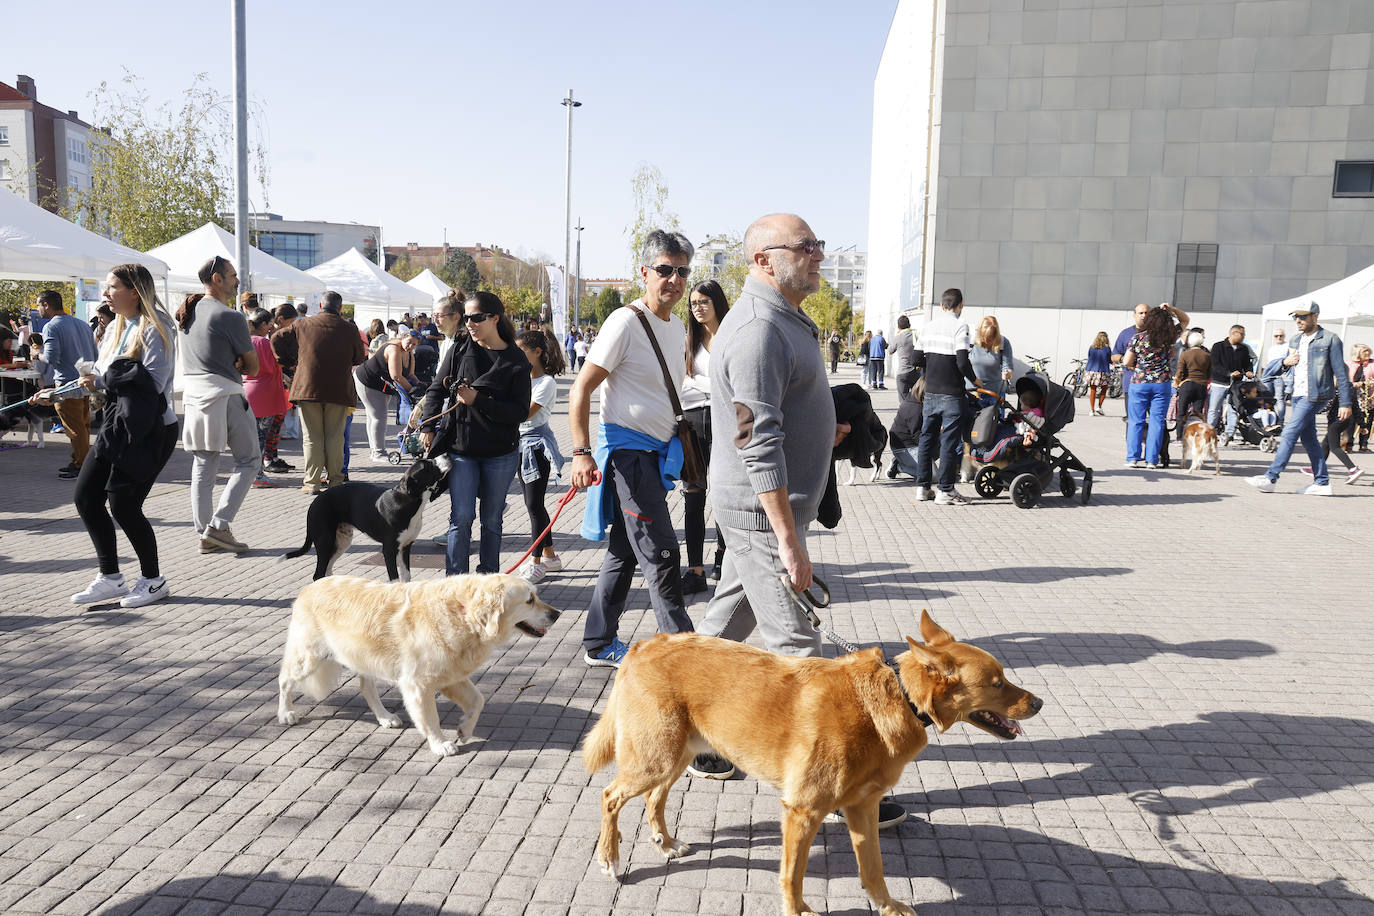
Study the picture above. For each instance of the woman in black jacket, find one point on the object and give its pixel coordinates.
(488, 378)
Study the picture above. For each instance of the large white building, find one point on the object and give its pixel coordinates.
(846, 269)
(305, 243)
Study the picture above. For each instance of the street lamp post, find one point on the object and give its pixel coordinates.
(241, 145)
(569, 104)
(577, 290)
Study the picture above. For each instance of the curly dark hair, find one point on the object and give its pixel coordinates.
(1160, 328)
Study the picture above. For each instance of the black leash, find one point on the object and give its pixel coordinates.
(809, 603)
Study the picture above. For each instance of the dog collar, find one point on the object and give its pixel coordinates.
(921, 717)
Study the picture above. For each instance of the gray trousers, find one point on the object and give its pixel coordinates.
(243, 445)
(751, 594)
(376, 403)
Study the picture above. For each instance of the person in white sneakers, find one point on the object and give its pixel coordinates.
(538, 449)
(1319, 375)
(135, 368)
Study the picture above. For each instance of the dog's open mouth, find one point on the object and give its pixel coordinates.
(995, 724)
(531, 629)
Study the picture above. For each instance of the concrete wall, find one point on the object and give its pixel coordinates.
(1083, 140)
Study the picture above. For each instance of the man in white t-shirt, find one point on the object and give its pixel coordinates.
(633, 443)
(1282, 382)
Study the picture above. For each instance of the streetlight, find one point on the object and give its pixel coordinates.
(577, 291)
(241, 144)
(569, 104)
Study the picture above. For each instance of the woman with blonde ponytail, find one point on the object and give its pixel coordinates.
(138, 434)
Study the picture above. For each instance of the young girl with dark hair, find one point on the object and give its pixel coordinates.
(266, 394)
(538, 449)
(488, 379)
(706, 306)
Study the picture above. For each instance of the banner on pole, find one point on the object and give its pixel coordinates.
(560, 304)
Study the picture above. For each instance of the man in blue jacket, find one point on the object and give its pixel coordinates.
(1319, 375)
(68, 340)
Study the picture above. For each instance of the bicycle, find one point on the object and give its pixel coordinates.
(1114, 386)
(1039, 364)
(1074, 380)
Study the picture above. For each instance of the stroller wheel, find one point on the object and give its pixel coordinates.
(987, 483)
(1066, 485)
(1087, 493)
(1025, 491)
(394, 457)
(1269, 444)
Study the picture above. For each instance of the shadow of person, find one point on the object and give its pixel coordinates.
(1070, 649)
(1244, 758)
(263, 892)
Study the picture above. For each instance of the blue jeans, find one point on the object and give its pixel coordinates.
(1302, 423)
(943, 419)
(1217, 404)
(1146, 399)
(905, 460)
(473, 479)
(1282, 388)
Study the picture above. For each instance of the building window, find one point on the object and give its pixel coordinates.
(295, 248)
(1353, 179)
(4, 136)
(5, 169)
(76, 150)
(1195, 276)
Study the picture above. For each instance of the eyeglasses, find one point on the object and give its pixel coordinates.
(1301, 318)
(810, 246)
(477, 317)
(667, 270)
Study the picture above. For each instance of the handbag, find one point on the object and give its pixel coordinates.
(1172, 415)
(693, 465)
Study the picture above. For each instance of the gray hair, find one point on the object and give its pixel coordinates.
(658, 242)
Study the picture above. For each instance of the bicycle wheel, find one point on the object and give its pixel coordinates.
(1114, 388)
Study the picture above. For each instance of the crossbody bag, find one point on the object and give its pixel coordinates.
(693, 465)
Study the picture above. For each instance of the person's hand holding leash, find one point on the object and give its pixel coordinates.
(584, 472)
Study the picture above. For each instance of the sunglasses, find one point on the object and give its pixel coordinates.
(667, 270)
(477, 317)
(810, 246)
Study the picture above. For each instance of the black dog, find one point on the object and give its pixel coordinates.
(391, 517)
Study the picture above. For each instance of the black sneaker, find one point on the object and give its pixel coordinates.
(720, 564)
(693, 582)
(69, 472)
(890, 814)
(277, 466)
(892, 471)
(713, 766)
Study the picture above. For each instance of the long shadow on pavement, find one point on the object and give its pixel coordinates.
(1277, 757)
(264, 892)
(1067, 650)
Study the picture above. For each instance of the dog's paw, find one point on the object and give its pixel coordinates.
(289, 717)
(611, 868)
(389, 721)
(670, 847)
(464, 732)
(443, 748)
(893, 908)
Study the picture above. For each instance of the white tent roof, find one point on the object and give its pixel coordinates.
(38, 245)
(429, 284)
(1350, 301)
(270, 277)
(371, 290)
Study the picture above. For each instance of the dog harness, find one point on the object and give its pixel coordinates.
(809, 603)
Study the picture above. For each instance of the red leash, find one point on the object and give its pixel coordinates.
(558, 510)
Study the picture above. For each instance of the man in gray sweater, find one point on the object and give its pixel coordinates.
(773, 429)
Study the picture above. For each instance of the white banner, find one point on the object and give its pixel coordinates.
(559, 303)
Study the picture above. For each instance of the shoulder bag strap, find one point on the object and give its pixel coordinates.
(662, 364)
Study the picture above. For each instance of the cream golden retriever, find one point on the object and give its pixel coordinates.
(831, 734)
(422, 636)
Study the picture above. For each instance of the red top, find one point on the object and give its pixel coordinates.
(266, 392)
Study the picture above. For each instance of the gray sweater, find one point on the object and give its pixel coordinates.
(772, 414)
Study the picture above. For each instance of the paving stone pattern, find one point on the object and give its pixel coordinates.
(1207, 742)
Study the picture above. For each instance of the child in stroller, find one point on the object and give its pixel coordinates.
(408, 439)
(1018, 448)
(1253, 403)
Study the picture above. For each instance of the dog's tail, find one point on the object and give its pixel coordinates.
(302, 551)
(598, 749)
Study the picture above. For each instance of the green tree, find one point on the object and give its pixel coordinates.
(652, 212)
(404, 269)
(157, 172)
(460, 272)
(18, 296)
(606, 302)
(828, 309)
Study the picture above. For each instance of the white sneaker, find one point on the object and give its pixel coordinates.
(1354, 475)
(102, 588)
(950, 498)
(924, 493)
(1261, 482)
(552, 564)
(1316, 489)
(381, 458)
(532, 572)
(146, 591)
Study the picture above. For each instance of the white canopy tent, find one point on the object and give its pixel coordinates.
(371, 291)
(270, 277)
(429, 284)
(1345, 304)
(38, 245)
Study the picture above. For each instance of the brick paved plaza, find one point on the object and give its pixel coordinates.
(1207, 742)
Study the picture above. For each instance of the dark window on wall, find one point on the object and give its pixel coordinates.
(1353, 179)
(1195, 276)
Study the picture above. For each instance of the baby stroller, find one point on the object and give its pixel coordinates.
(408, 439)
(1246, 396)
(1005, 463)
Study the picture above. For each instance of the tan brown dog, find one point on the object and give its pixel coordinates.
(1199, 444)
(422, 636)
(828, 733)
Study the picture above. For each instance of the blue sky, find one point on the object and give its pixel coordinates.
(426, 115)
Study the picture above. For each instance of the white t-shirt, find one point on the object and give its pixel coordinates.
(1277, 351)
(544, 392)
(580, 347)
(696, 388)
(1300, 371)
(634, 394)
